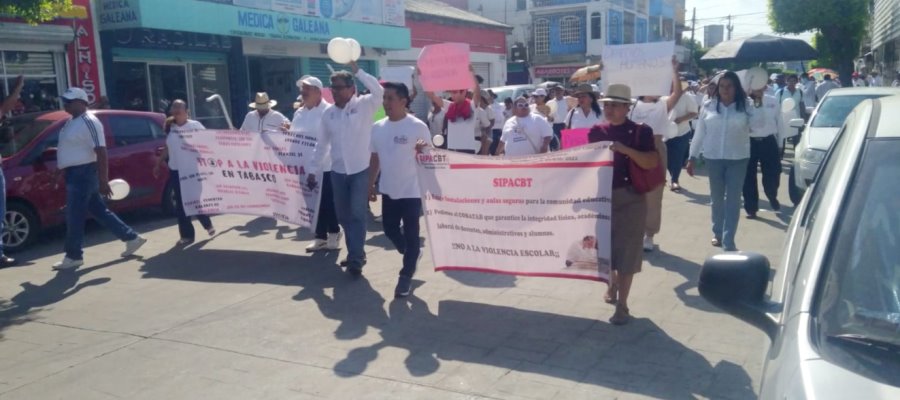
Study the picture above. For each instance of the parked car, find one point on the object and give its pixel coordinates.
(35, 198)
(824, 124)
(832, 311)
(512, 91)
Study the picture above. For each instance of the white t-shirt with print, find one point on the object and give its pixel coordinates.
(461, 133)
(525, 135)
(173, 140)
(395, 144)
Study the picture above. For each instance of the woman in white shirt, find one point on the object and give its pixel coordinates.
(722, 136)
(177, 123)
(587, 113)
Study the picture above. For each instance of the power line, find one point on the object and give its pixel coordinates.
(732, 16)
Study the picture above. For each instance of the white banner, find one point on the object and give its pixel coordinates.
(646, 67)
(234, 172)
(544, 215)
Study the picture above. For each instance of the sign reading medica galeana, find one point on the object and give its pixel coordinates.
(235, 172)
(543, 215)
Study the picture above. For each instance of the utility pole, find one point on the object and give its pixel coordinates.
(730, 27)
(693, 43)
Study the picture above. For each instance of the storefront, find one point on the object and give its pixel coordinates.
(160, 50)
(555, 73)
(51, 57)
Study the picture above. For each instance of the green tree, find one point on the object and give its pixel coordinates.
(840, 26)
(34, 11)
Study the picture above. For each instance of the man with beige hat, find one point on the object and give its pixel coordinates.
(263, 117)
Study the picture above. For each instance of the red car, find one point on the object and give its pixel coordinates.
(35, 193)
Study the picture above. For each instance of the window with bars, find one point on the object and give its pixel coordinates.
(541, 36)
(596, 26)
(570, 30)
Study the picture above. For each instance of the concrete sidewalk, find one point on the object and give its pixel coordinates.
(248, 315)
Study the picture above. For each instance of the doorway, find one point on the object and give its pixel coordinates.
(277, 77)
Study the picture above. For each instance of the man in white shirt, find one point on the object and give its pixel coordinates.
(799, 111)
(263, 117)
(526, 133)
(559, 109)
(461, 122)
(678, 145)
(823, 88)
(497, 109)
(875, 80)
(809, 91)
(308, 118)
(346, 135)
(395, 141)
(81, 156)
(765, 153)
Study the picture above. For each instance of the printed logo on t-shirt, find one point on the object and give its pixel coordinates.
(401, 140)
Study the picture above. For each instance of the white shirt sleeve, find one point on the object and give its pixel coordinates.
(95, 128)
(699, 134)
(509, 129)
(546, 128)
(247, 125)
(375, 98)
(323, 146)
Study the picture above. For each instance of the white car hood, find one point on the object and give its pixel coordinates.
(821, 138)
(824, 381)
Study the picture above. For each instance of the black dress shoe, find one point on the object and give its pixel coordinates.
(775, 204)
(6, 261)
(751, 215)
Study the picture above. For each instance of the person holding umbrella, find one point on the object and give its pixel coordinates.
(722, 137)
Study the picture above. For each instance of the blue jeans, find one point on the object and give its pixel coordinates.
(406, 240)
(351, 196)
(726, 181)
(677, 150)
(83, 197)
(2, 209)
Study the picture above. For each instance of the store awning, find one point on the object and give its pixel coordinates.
(229, 20)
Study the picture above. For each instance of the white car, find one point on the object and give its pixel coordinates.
(832, 310)
(512, 91)
(824, 124)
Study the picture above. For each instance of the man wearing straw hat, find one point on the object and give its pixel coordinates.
(263, 117)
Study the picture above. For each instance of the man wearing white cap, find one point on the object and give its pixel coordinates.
(263, 117)
(308, 118)
(81, 156)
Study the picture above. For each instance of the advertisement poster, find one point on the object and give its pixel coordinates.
(394, 12)
(544, 215)
(234, 172)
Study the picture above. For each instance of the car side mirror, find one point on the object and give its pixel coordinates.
(48, 155)
(737, 283)
(797, 123)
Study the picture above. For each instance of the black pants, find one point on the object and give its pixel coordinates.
(328, 222)
(406, 240)
(764, 153)
(185, 227)
(557, 131)
(495, 140)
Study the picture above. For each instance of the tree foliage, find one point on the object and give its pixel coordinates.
(34, 11)
(840, 27)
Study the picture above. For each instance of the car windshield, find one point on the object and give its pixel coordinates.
(859, 296)
(16, 133)
(835, 109)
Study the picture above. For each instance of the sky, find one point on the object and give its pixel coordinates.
(750, 17)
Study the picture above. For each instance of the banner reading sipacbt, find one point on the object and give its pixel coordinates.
(543, 215)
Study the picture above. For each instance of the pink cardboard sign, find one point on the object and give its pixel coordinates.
(574, 137)
(445, 66)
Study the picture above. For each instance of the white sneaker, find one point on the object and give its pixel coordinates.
(67, 264)
(334, 241)
(133, 245)
(648, 243)
(316, 245)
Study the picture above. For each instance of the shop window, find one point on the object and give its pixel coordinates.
(41, 89)
(128, 130)
(570, 30)
(207, 80)
(541, 36)
(130, 88)
(596, 26)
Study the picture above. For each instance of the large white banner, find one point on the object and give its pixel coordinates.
(544, 215)
(645, 67)
(235, 172)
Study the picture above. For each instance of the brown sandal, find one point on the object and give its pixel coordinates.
(612, 294)
(621, 316)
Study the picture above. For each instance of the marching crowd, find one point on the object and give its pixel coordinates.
(716, 122)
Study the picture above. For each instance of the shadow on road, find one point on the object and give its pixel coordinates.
(689, 270)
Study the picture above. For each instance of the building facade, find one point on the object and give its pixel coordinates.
(156, 51)
(713, 35)
(51, 56)
(884, 55)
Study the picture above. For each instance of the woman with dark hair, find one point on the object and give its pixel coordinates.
(587, 113)
(179, 122)
(722, 137)
(540, 106)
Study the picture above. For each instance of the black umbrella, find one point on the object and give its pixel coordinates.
(762, 48)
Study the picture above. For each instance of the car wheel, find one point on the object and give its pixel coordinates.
(795, 193)
(168, 200)
(21, 227)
